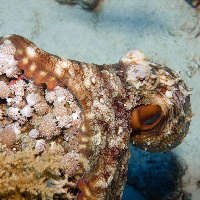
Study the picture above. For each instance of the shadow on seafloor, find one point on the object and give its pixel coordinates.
(153, 176)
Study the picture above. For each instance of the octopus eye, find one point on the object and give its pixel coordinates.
(145, 117)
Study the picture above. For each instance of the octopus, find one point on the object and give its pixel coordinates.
(194, 3)
(133, 101)
(86, 4)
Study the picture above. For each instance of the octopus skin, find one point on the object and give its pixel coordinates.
(134, 101)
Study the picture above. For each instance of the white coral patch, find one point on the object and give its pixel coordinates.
(40, 145)
(34, 133)
(17, 129)
(62, 94)
(50, 96)
(13, 113)
(32, 99)
(18, 88)
(75, 116)
(27, 111)
(8, 65)
(4, 90)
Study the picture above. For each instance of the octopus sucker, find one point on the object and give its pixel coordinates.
(134, 101)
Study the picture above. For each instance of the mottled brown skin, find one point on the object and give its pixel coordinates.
(107, 95)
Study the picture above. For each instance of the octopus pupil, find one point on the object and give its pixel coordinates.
(152, 119)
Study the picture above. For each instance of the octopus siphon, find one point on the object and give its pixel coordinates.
(66, 126)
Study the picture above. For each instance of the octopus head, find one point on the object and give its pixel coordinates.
(161, 110)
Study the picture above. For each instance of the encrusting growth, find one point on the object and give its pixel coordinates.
(66, 126)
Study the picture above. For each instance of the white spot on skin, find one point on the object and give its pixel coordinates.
(71, 72)
(90, 115)
(101, 100)
(93, 80)
(63, 64)
(84, 139)
(58, 70)
(133, 56)
(120, 130)
(82, 146)
(87, 82)
(25, 61)
(168, 94)
(84, 161)
(20, 51)
(97, 139)
(52, 79)
(33, 67)
(111, 170)
(30, 51)
(42, 73)
(101, 183)
(7, 42)
(83, 128)
(115, 142)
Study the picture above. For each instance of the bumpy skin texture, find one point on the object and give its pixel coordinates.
(108, 94)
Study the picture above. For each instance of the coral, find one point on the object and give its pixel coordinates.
(71, 138)
(33, 124)
(25, 174)
(5, 90)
